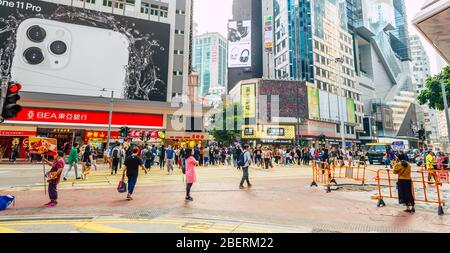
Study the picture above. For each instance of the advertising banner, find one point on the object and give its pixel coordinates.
(344, 114)
(351, 111)
(324, 100)
(61, 49)
(239, 44)
(270, 132)
(44, 116)
(313, 103)
(334, 109)
(248, 100)
(268, 33)
(42, 146)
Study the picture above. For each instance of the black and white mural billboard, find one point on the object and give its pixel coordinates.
(60, 49)
(239, 44)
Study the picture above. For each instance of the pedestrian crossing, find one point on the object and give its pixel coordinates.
(156, 177)
(160, 225)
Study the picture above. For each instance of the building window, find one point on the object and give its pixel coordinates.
(164, 11)
(145, 7)
(180, 32)
(178, 73)
(180, 12)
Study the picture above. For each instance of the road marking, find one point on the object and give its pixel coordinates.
(100, 228)
(5, 230)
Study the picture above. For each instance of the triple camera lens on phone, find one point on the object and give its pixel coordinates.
(34, 55)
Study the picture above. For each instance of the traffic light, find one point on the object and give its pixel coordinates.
(10, 107)
(123, 132)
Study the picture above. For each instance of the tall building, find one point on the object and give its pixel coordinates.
(210, 62)
(310, 40)
(137, 51)
(247, 17)
(383, 69)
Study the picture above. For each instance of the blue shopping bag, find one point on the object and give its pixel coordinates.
(6, 201)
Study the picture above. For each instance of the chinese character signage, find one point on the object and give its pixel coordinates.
(248, 100)
(268, 132)
(268, 33)
(87, 118)
(42, 146)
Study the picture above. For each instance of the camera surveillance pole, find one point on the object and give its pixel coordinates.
(4, 90)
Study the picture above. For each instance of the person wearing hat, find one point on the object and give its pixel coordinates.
(54, 177)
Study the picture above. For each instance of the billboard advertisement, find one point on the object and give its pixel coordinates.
(292, 97)
(268, 33)
(334, 109)
(61, 49)
(324, 100)
(248, 100)
(351, 111)
(344, 113)
(313, 103)
(239, 44)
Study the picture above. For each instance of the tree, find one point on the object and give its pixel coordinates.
(432, 94)
(226, 125)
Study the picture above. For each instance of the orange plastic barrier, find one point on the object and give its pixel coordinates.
(355, 171)
(322, 175)
(387, 187)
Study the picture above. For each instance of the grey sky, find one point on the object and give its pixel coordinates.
(213, 15)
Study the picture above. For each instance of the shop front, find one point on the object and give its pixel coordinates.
(82, 126)
(180, 139)
(269, 135)
(12, 137)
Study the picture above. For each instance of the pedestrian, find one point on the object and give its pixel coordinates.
(405, 186)
(73, 162)
(170, 156)
(131, 170)
(191, 176)
(147, 156)
(245, 161)
(431, 166)
(206, 156)
(87, 162)
(54, 177)
(162, 157)
(116, 158)
(94, 159)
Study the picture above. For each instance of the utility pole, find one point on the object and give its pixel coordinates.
(339, 61)
(111, 102)
(447, 116)
(4, 91)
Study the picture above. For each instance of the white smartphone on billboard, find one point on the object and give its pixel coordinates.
(64, 58)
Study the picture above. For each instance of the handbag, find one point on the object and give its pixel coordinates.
(122, 187)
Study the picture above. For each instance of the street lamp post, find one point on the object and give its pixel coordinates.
(447, 116)
(111, 102)
(339, 61)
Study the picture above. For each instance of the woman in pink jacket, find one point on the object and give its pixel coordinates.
(190, 173)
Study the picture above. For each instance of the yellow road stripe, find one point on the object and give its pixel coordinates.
(100, 228)
(4, 230)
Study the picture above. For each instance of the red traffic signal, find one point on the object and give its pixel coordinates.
(14, 88)
(10, 107)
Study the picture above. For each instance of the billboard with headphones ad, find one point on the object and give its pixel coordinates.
(61, 49)
(239, 44)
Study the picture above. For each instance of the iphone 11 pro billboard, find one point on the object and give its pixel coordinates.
(60, 49)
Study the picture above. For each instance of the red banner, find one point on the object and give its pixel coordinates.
(17, 133)
(88, 118)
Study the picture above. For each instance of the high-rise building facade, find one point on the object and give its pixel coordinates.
(383, 67)
(248, 11)
(421, 71)
(210, 62)
(310, 40)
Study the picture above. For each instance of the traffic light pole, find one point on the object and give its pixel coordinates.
(447, 116)
(110, 120)
(4, 92)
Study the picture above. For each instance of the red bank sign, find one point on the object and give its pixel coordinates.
(59, 117)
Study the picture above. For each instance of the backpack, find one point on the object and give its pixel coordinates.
(241, 160)
(115, 153)
(148, 155)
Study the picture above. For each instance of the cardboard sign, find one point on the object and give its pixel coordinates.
(43, 146)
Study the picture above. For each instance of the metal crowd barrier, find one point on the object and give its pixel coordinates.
(322, 175)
